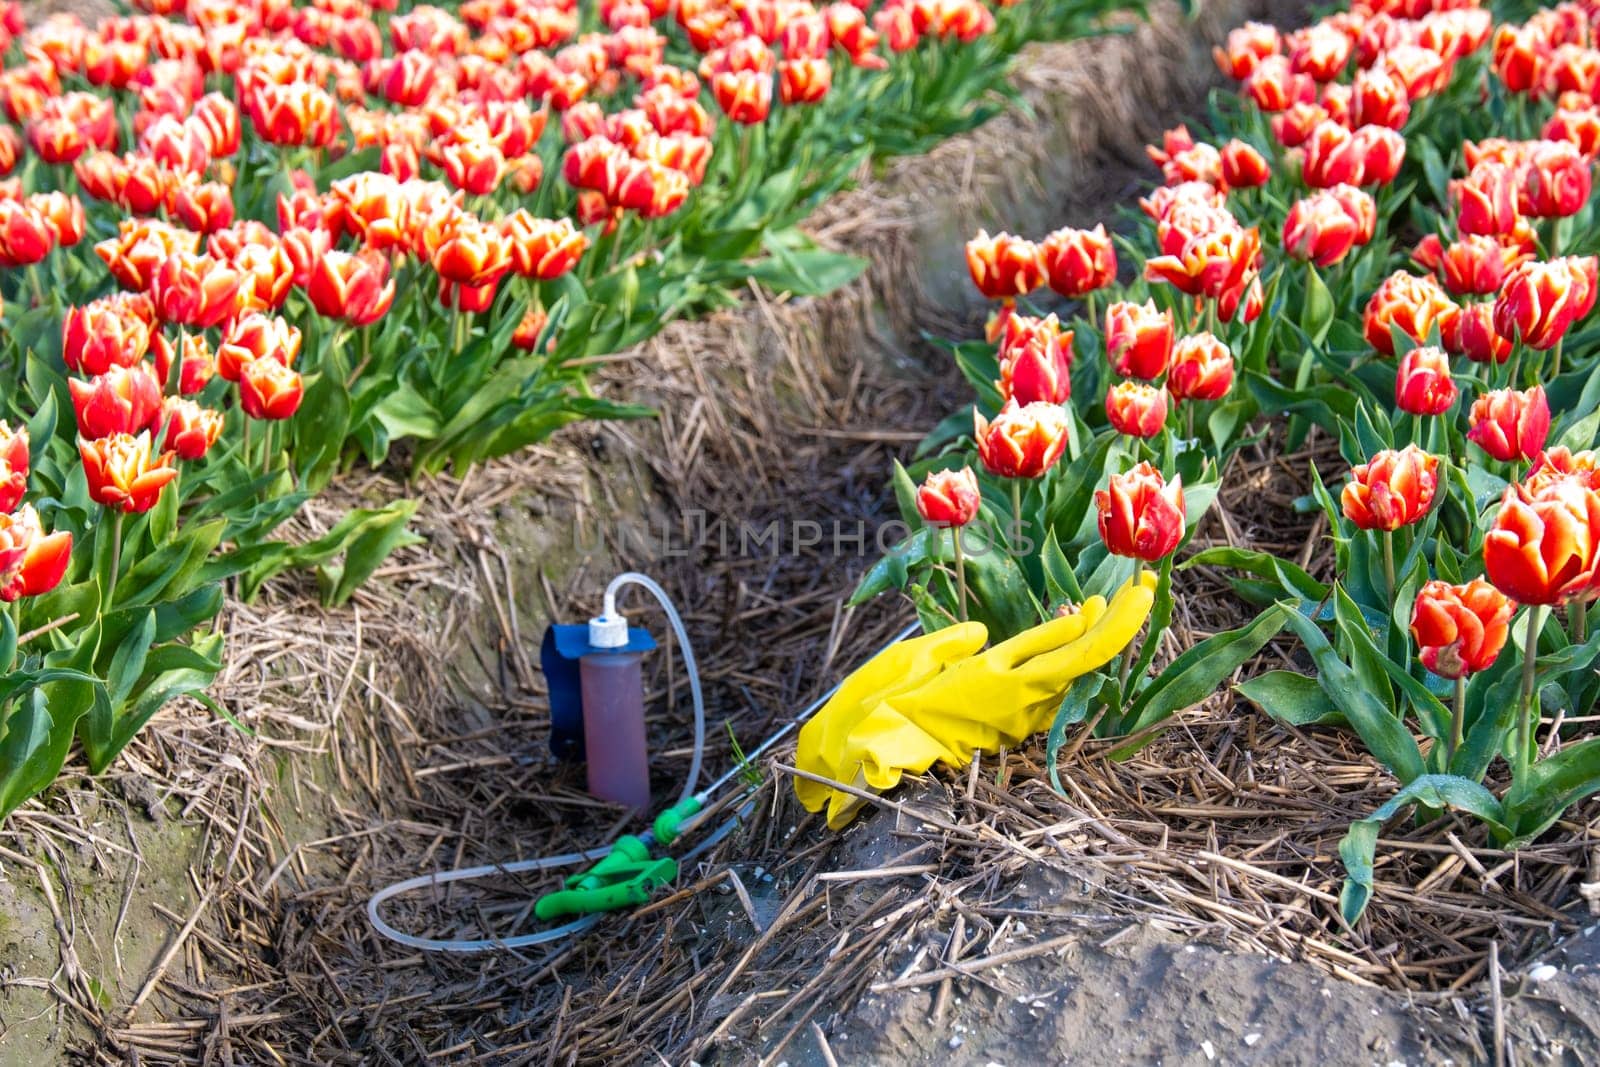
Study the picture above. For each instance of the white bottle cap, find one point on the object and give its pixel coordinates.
(608, 631)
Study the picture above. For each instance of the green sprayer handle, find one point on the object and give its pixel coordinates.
(624, 878)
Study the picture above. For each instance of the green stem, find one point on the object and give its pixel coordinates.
(1578, 616)
(1016, 508)
(1555, 364)
(961, 574)
(1388, 567)
(38, 286)
(116, 557)
(1188, 420)
(1458, 719)
(1525, 720)
(266, 449)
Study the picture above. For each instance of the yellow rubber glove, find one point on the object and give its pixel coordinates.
(903, 665)
(982, 701)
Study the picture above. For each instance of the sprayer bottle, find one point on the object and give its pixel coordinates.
(612, 683)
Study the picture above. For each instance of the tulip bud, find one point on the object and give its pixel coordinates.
(542, 248)
(1382, 152)
(949, 498)
(1201, 369)
(1274, 87)
(1243, 167)
(1138, 339)
(269, 390)
(1022, 441)
(204, 206)
(190, 430)
(1332, 157)
(196, 369)
(1423, 385)
(1136, 409)
(1460, 629)
(1510, 425)
(123, 400)
(1003, 267)
(1391, 490)
(1140, 514)
(122, 473)
(1542, 547)
(1476, 264)
(805, 80)
(1078, 262)
(31, 562)
(1379, 99)
(1035, 357)
(528, 330)
(1320, 50)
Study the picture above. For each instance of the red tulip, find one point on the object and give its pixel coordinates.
(1486, 199)
(1004, 266)
(196, 291)
(355, 288)
(1391, 490)
(293, 114)
(122, 474)
(1379, 99)
(190, 430)
(1423, 385)
(1382, 152)
(1321, 50)
(1140, 514)
(1542, 546)
(1274, 87)
(1243, 167)
(1078, 262)
(257, 336)
(26, 236)
(32, 562)
(1562, 464)
(1022, 441)
(1246, 47)
(805, 80)
(1470, 332)
(1416, 305)
(113, 331)
(949, 498)
(13, 465)
(1475, 264)
(745, 96)
(1460, 629)
(542, 248)
(1520, 55)
(1510, 425)
(1293, 127)
(123, 400)
(1555, 181)
(1137, 409)
(1579, 127)
(269, 390)
(526, 336)
(1035, 359)
(1214, 264)
(1539, 301)
(651, 189)
(1201, 369)
(1333, 157)
(197, 368)
(1322, 229)
(205, 206)
(63, 212)
(1138, 339)
(474, 165)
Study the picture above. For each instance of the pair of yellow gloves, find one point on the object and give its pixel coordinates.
(940, 697)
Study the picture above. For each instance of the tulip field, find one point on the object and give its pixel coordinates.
(245, 247)
(258, 257)
(1389, 238)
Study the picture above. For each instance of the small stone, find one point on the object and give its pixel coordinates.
(1209, 1049)
(955, 1042)
(1251, 1039)
(1542, 973)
